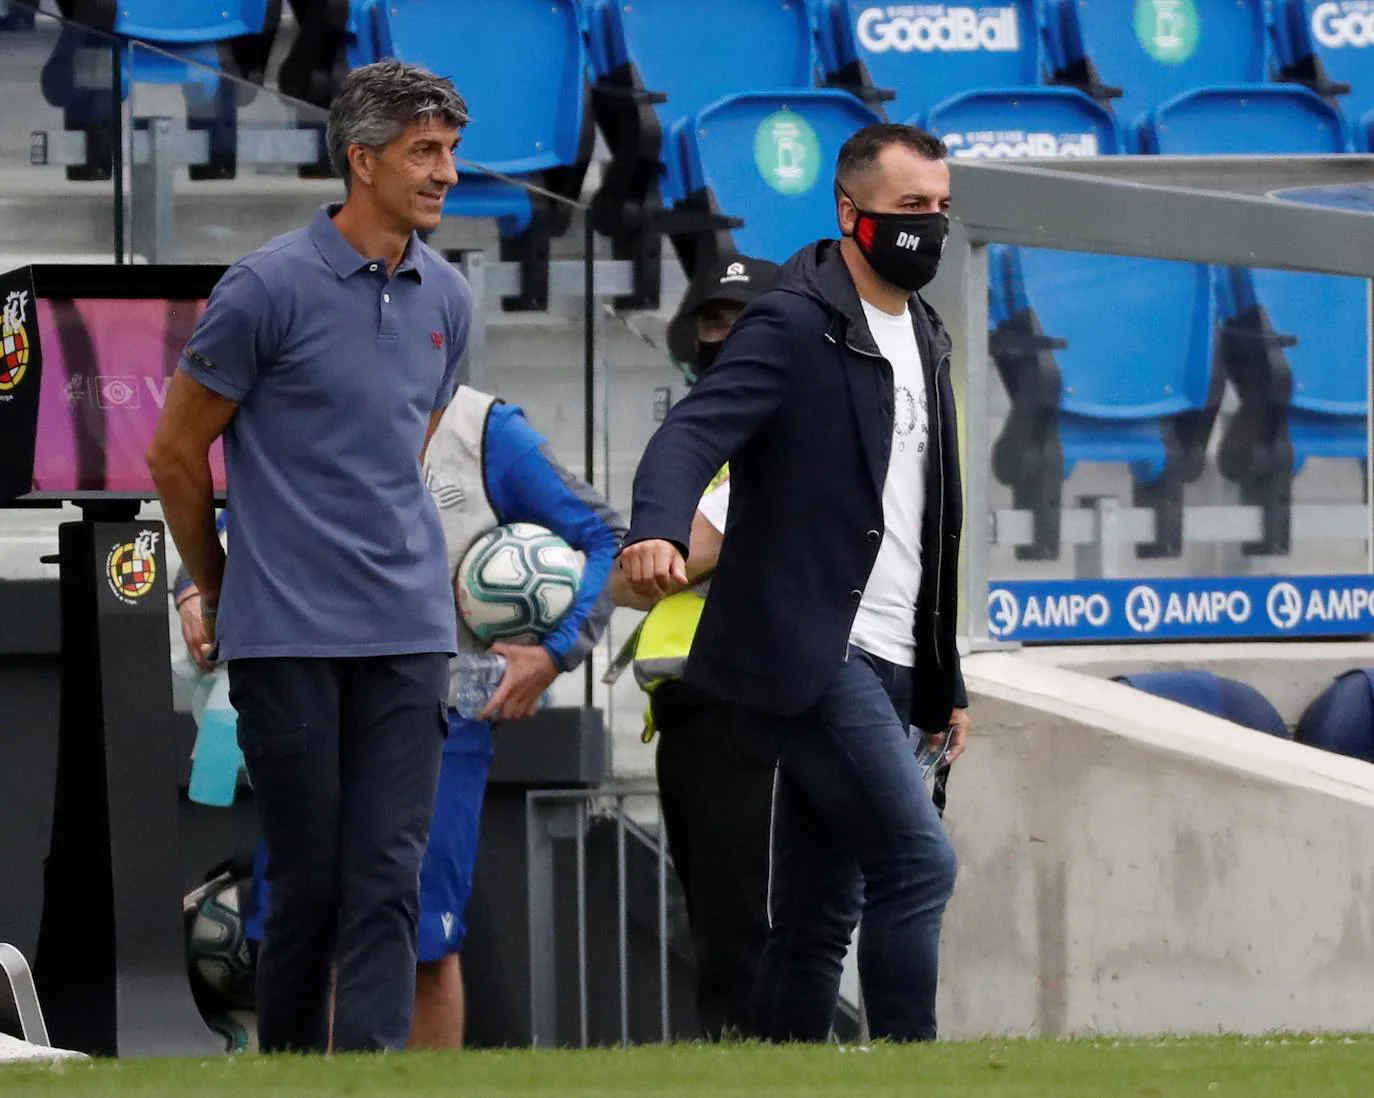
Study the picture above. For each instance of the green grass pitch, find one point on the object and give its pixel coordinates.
(1281, 1066)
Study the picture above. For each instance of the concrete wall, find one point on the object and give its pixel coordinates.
(1132, 866)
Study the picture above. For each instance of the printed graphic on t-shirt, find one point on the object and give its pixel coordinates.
(912, 412)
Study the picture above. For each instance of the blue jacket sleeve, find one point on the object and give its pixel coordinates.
(528, 484)
(712, 422)
(182, 583)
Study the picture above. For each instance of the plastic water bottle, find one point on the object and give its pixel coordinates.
(217, 758)
(479, 675)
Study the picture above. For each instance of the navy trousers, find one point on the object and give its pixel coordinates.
(344, 759)
(855, 833)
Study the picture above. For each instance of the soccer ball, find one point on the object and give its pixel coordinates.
(218, 954)
(516, 582)
(238, 1029)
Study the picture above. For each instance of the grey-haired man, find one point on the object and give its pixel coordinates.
(325, 360)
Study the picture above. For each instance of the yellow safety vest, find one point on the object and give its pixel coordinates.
(664, 638)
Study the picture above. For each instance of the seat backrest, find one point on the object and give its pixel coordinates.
(1339, 33)
(1277, 119)
(1341, 719)
(519, 125)
(1155, 49)
(1154, 357)
(769, 159)
(1327, 313)
(596, 25)
(1229, 699)
(186, 22)
(1024, 122)
(699, 51)
(360, 33)
(929, 52)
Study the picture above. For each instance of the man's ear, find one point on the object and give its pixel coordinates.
(360, 163)
(847, 215)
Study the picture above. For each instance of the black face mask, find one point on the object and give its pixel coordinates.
(707, 353)
(904, 249)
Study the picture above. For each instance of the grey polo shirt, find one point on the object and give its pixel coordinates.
(336, 366)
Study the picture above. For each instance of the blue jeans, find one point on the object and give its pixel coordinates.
(854, 832)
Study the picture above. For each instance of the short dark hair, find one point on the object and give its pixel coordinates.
(378, 101)
(860, 153)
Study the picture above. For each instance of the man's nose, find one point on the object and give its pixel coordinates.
(447, 173)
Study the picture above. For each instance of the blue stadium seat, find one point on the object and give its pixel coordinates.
(1256, 118)
(1152, 51)
(189, 22)
(360, 34)
(695, 52)
(927, 53)
(1023, 122)
(769, 159)
(1138, 391)
(189, 44)
(659, 62)
(1341, 719)
(1234, 701)
(1294, 344)
(1330, 48)
(534, 128)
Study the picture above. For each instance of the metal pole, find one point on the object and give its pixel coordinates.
(662, 929)
(582, 922)
(117, 144)
(621, 920)
(588, 391)
(474, 365)
(539, 900)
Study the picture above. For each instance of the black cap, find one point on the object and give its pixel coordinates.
(737, 278)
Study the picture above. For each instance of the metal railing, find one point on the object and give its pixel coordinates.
(572, 815)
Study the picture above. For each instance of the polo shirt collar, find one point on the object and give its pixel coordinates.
(343, 258)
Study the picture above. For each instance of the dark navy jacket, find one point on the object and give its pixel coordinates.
(801, 405)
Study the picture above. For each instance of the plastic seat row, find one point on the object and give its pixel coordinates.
(193, 41)
(1144, 389)
(1340, 719)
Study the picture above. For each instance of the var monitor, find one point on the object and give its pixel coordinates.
(88, 352)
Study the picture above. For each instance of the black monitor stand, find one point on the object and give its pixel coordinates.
(111, 959)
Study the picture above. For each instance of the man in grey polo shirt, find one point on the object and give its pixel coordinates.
(325, 359)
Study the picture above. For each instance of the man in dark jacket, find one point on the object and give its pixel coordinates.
(831, 616)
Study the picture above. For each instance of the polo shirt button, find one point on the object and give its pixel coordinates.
(873, 535)
(386, 298)
(856, 595)
(373, 267)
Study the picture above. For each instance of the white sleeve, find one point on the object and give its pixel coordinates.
(715, 505)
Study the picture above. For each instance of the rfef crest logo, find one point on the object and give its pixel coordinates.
(14, 340)
(131, 567)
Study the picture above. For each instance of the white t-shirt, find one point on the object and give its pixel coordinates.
(887, 612)
(715, 505)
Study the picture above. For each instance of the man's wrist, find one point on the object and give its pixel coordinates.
(186, 596)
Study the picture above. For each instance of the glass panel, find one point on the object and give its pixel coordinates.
(640, 381)
(1174, 422)
(220, 166)
(58, 143)
(59, 148)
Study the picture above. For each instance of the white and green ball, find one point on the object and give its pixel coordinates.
(516, 582)
(219, 956)
(238, 1029)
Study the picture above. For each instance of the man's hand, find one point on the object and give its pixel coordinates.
(530, 671)
(198, 644)
(654, 569)
(959, 722)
